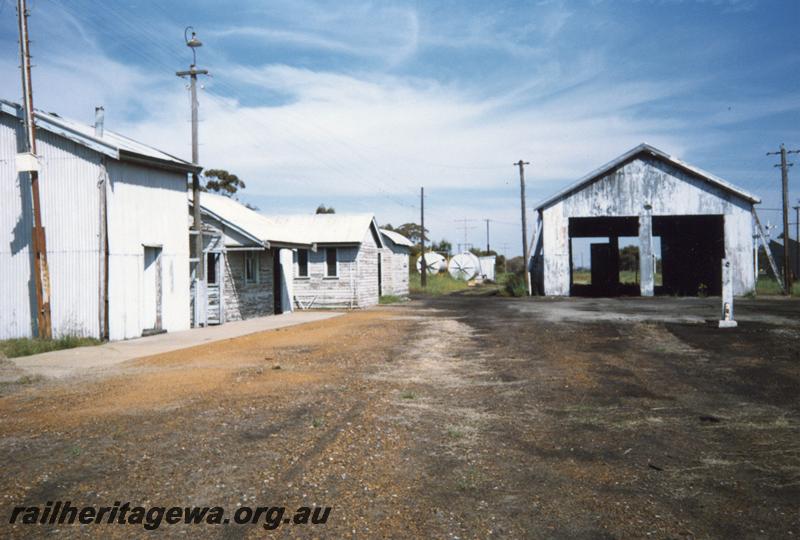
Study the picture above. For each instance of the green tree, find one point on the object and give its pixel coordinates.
(322, 209)
(629, 258)
(412, 231)
(442, 246)
(222, 182)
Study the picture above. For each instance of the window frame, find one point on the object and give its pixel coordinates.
(335, 252)
(256, 261)
(300, 273)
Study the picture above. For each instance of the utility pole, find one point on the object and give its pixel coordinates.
(44, 328)
(465, 228)
(423, 270)
(784, 165)
(192, 73)
(525, 250)
(488, 248)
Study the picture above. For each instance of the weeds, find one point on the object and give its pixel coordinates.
(408, 395)
(515, 285)
(390, 299)
(455, 433)
(438, 284)
(13, 348)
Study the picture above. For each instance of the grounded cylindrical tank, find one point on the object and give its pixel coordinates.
(434, 263)
(464, 266)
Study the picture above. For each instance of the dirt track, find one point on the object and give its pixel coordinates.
(461, 416)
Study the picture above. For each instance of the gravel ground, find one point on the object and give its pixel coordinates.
(463, 416)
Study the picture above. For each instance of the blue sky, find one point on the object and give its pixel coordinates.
(357, 104)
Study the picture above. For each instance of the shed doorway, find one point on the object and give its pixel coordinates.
(151, 291)
(692, 250)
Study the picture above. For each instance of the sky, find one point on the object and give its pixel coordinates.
(358, 104)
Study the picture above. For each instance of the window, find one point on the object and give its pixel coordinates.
(302, 263)
(251, 267)
(330, 263)
(211, 267)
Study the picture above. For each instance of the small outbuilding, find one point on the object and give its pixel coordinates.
(114, 214)
(683, 221)
(344, 270)
(393, 263)
(248, 261)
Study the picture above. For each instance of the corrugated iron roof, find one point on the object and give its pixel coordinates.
(655, 152)
(257, 227)
(330, 228)
(397, 238)
(112, 144)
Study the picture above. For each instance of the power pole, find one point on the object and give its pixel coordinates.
(465, 228)
(423, 270)
(44, 328)
(488, 249)
(784, 165)
(525, 250)
(192, 73)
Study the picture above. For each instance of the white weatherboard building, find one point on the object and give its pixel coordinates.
(106, 202)
(248, 261)
(343, 270)
(655, 200)
(394, 263)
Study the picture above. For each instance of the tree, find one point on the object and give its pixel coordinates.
(411, 231)
(222, 182)
(442, 246)
(322, 209)
(629, 258)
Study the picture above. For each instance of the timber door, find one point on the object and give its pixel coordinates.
(151, 290)
(277, 282)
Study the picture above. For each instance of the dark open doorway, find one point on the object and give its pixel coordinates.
(692, 248)
(599, 237)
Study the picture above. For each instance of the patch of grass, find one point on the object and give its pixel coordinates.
(390, 299)
(470, 480)
(515, 285)
(454, 433)
(318, 422)
(767, 285)
(13, 348)
(29, 379)
(408, 395)
(584, 277)
(438, 284)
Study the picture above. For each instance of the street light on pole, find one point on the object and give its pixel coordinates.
(193, 43)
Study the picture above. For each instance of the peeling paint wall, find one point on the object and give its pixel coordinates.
(243, 299)
(356, 283)
(625, 192)
(395, 269)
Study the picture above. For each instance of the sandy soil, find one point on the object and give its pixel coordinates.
(463, 416)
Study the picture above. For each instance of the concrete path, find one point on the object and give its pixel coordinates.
(70, 361)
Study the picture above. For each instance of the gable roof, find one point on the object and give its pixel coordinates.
(330, 228)
(397, 238)
(111, 144)
(652, 151)
(256, 227)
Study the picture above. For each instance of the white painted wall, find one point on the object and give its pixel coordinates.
(669, 191)
(68, 185)
(146, 207)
